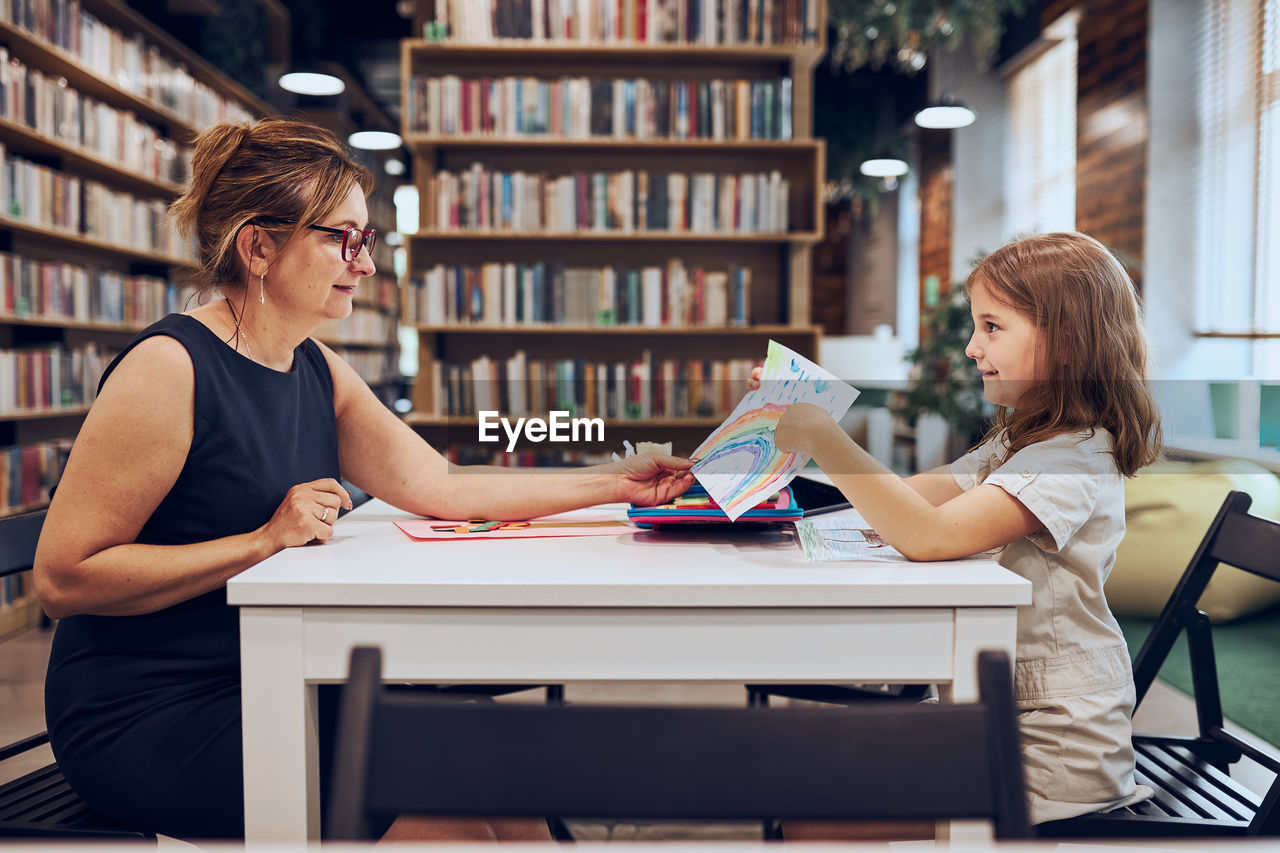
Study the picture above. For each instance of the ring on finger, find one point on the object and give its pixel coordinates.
(325, 516)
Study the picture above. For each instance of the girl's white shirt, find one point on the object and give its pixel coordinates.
(1073, 677)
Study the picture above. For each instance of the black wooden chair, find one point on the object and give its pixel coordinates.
(411, 754)
(1195, 796)
(41, 804)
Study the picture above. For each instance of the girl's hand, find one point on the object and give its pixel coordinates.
(753, 381)
(650, 479)
(800, 428)
(306, 514)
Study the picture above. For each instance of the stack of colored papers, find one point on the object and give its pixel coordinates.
(697, 507)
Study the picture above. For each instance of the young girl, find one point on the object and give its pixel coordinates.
(1058, 339)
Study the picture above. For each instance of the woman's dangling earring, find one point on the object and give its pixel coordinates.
(262, 288)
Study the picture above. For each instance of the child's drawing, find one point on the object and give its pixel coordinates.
(739, 463)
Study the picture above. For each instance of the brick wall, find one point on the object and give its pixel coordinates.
(1112, 122)
(829, 288)
(936, 185)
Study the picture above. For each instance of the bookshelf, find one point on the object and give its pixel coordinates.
(635, 204)
(98, 109)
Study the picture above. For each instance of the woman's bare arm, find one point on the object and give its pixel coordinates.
(382, 455)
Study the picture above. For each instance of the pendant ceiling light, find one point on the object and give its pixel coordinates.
(312, 83)
(945, 114)
(883, 167)
(374, 140)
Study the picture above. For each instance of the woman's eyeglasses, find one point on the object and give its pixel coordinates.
(352, 240)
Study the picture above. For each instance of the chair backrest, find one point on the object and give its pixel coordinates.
(18, 538)
(403, 753)
(1238, 539)
(1195, 794)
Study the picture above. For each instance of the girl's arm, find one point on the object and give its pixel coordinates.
(385, 457)
(127, 456)
(936, 485)
(968, 523)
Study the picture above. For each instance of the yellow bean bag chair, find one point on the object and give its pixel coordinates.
(1168, 508)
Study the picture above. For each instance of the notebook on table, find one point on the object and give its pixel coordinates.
(696, 507)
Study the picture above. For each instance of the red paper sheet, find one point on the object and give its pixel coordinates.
(589, 522)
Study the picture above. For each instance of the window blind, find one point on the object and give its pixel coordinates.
(1266, 292)
(1040, 184)
(1228, 185)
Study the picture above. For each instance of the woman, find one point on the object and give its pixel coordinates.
(217, 440)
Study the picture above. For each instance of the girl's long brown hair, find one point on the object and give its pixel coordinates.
(273, 171)
(1085, 308)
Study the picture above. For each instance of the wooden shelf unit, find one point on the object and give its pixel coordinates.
(563, 54)
(73, 241)
(63, 323)
(780, 263)
(23, 509)
(44, 414)
(418, 142)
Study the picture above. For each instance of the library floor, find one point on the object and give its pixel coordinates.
(23, 659)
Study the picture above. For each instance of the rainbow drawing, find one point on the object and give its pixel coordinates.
(740, 465)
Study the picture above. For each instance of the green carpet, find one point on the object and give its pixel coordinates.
(1248, 657)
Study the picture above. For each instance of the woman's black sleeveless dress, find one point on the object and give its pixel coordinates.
(144, 711)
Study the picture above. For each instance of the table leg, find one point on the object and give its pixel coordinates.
(281, 735)
(977, 629)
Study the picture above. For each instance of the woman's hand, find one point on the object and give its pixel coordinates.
(306, 514)
(802, 427)
(753, 381)
(650, 479)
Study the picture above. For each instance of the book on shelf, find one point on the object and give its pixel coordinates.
(50, 199)
(586, 108)
(701, 22)
(531, 294)
(47, 105)
(14, 588)
(28, 473)
(621, 202)
(44, 378)
(381, 292)
(127, 60)
(643, 388)
(375, 367)
(56, 290)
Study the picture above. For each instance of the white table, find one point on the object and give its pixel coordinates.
(691, 607)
